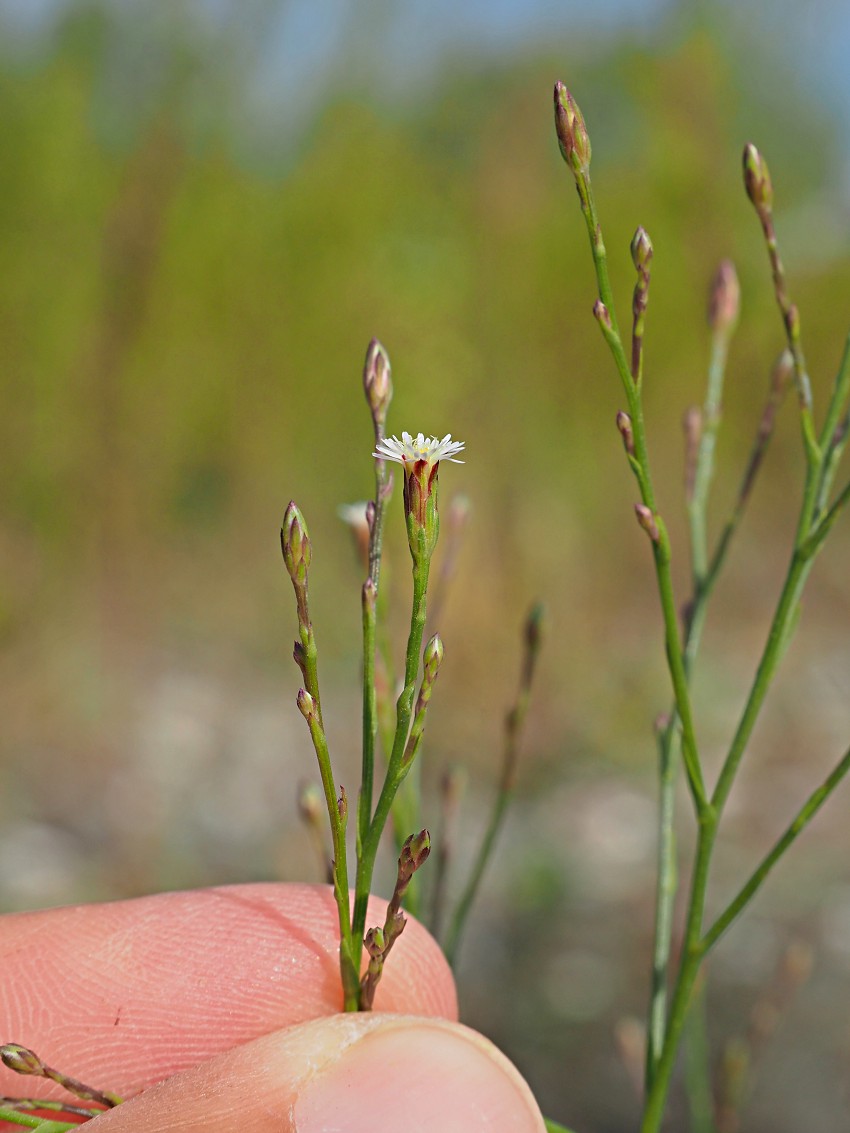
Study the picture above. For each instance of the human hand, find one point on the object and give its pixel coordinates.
(220, 1009)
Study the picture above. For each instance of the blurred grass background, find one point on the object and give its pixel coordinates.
(206, 211)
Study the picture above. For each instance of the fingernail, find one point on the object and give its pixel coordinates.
(423, 1075)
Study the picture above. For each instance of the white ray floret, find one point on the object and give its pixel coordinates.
(410, 450)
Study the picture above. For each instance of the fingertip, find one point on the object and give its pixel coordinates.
(350, 1072)
(432, 1074)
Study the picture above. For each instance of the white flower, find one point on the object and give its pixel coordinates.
(413, 450)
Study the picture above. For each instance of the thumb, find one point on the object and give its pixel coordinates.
(343, 1074)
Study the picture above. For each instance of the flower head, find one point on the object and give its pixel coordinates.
(414, 450)
(420, 458)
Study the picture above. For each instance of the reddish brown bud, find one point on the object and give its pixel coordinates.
(647, 521)
(414, 853)
(602, 315)
(624, 424)
(375, 942)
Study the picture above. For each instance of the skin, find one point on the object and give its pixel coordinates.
(219, 1009)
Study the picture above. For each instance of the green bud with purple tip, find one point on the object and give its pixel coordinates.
(306, 704)
(573, 138)
(295, 544)
(377, 381)
(432, 658)
(641, 249)
(602, 315)
(757, 179)
(414, 853)
(21, 1059)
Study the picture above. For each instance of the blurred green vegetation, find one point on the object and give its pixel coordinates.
(183, 332)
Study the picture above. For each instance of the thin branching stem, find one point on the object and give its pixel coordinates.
(640, 464)
(801, 820)
(396, 768)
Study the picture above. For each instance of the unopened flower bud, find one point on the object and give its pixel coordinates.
(647, 521)
(624, 424)
(377, 381)
(306, 704)
(641, 249)
(432, 658)
(414, 852)
(724, 299)
(602, 315)
(295, 544)
(573, 138)
(757, 179)
(21, 1059)
(375, 942)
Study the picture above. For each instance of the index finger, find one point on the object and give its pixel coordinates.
(122, 995)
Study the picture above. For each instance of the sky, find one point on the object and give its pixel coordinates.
(300, 38)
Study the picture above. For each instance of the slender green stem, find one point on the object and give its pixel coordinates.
(697, 1063)
(370, 709)
(15, 1117)
(678, 672)
(703, 574)
(704, 469)
(692, 955)
(801, 820)
(396, 768)
(38, 1105)
(349, 970)
(838, 400)
(371, 591)
(661, 547)
(777, 639)
(554, 1127)
(791, 319)
(815, 541)
(666, 886)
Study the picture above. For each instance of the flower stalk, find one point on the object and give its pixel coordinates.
(297, 555)
(666, 1025)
